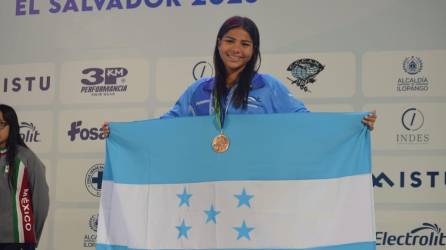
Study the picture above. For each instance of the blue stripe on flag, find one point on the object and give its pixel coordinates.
(353, 246)
(142, 153)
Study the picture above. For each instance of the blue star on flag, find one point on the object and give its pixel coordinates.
(243, 231)
(184, 198)
(212, 214)
(182, 230)
(243, 198)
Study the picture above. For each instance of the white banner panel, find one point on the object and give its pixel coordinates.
(412, 126)
(37, 129)
(410, 179)
(75, 228)
(79, 180)
(111, 81)
(80, 130)
(404, 73)
(323, 74)
(174, 75)
(409, 230)
(27, 83)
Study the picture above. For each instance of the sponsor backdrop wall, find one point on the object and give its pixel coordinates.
(69, 65)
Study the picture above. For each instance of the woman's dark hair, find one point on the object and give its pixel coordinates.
(14, 138)
(240, 97)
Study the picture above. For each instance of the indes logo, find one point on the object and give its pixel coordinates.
(29, 132)
(410, 179)
(104, 82)
(412, 121)
(84, 133)
(304, 71)
(412, 81)
(426, 235)
(202, 69)
(26, 84)
(93, 179)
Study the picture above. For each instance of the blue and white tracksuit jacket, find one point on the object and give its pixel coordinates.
(267, 95)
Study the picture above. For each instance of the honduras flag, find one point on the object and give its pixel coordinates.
(287, 181)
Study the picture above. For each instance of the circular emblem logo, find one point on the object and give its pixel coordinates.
(93, 222)
(412, 65)
(304, 72)
(412, 119)
(202, 69)
(93, 179)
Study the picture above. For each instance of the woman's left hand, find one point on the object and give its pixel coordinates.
(370, 119)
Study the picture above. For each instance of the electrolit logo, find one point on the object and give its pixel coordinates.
(427, 235)
(29, 132)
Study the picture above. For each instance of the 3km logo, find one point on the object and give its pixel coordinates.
(106, 76)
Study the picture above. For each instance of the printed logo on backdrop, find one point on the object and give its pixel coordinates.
(29, 132)
(412, 65)
(304, 72)
(90, 237)
(410, 179)
(428, 234)
(24, 8)
(104, 81)
(412, 121)
(26, 83)
(76, 131)
(202, 69)
(412, 80)
(93, 223)
(93, 179)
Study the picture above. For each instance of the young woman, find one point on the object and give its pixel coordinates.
(24, 200)
(237, 88)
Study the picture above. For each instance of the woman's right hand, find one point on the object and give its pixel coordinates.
(105, 129)
(370, 119)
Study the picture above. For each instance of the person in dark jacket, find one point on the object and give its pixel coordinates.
(24, 199)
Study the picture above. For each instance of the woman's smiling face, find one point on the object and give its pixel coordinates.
(235, 49)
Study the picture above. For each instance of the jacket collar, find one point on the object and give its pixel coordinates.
(257, 83)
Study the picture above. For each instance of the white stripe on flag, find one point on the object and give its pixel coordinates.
(283, 214)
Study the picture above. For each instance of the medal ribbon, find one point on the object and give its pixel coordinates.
(217, 108)
(220, 111)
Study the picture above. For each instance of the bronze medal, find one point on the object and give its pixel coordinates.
(220, 143)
